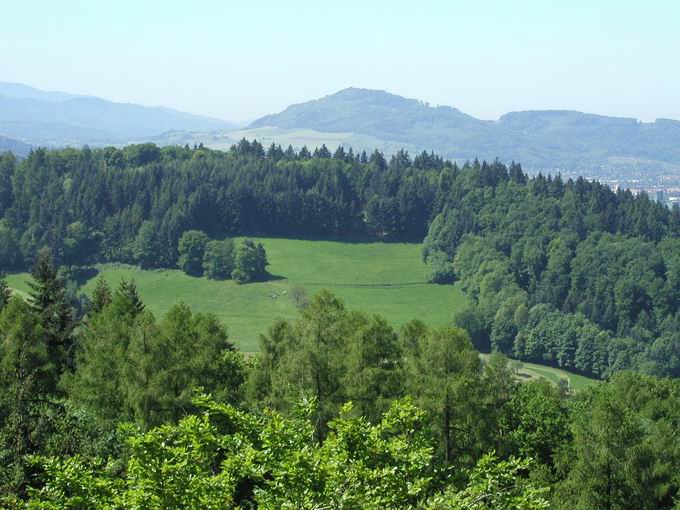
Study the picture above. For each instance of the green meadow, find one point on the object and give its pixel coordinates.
(388, 279)
(527, 371)
(576, 381)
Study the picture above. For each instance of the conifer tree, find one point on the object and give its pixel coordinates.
(49, 302)
(374, 373)
(445, 379)
(101, 295)
(25, 374)
(126, 300)
(5, 294)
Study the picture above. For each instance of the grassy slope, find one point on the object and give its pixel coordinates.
(576, 381)
(381, 278)
(534, 371)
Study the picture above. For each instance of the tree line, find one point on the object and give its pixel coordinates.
(122, 409)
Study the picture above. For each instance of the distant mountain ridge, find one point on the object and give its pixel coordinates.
(540, 139)
(548, 140)
(57, 118)
(15, 146)
(21, 91)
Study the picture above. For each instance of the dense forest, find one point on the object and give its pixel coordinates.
(569, 273)
(122, 409)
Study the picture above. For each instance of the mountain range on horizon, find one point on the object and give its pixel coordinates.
(540, 139)
(365, 119)
(48, 118)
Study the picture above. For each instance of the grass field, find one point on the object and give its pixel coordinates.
(533, 371)
(576, 381)
(382, 278)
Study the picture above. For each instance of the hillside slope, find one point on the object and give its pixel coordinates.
(540, 139)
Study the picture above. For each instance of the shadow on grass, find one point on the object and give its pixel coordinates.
(354, 239)
(272, 277)
(267, 278)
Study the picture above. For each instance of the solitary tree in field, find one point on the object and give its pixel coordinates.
(299, 296)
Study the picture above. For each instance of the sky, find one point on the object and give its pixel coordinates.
(239, 60)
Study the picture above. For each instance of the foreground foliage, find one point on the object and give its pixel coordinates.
(224, 458)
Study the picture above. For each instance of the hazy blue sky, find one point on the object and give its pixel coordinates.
(242, 59)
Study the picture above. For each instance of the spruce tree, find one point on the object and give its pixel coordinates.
(101, 295)
(49, 302)
(25, 374)
(5, 294)
(126, 300)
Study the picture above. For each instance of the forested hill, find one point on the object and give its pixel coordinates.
(565, 273)
(372, 112)
(542, 140)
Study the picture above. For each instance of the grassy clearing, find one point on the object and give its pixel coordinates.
(382, 278)
(576, 382)
(534, 371)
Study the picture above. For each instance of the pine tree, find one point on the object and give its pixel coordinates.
(374, 374)
(101, 295)
(5, 294)
(48, 300)
(126, 300)
(25, 375)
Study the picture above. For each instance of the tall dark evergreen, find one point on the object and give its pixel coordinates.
(101, 295)
(126, 300)
(49, 302)
(27, 376)
(5, 294)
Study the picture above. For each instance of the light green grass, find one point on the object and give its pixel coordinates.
(382, 278)
(534, 371)
(576, 382)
